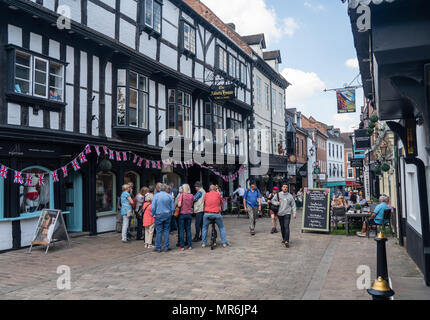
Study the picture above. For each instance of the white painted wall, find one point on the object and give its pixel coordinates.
(106, 224)
(6, 240)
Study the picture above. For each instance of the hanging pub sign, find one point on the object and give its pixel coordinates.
(411, 138)
(362, 139)
(356, 163)
(223, 92)
(303, 171)
(50, 228)
(316, 210)
(346, 101)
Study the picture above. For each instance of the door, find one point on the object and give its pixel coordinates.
(74, 202)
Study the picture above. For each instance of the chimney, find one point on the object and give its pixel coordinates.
(231, 26)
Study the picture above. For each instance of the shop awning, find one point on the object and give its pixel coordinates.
(336, 184)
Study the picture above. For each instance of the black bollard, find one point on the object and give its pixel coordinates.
(381, 257)
(380, 289)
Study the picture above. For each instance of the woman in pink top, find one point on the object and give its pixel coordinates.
(148, 220)
(185, 202)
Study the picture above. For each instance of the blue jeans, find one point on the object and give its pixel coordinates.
(185, 223)
(220, 223)
(199, 223)
(162, 225)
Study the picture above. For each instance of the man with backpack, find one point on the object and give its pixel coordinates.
(252, 204)
(287, 207)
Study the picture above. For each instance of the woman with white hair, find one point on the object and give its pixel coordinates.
(185, 202)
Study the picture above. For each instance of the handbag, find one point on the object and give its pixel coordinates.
(178, 209)
(130, 213)
(274, 208)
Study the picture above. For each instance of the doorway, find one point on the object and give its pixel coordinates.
(74, 219)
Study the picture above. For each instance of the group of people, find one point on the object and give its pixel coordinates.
(353, 199)
(282, 206)
(161, 208)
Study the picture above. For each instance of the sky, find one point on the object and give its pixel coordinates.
(316, 45)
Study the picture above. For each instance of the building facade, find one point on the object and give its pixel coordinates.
(121, 74)
(269, 89)
(394, 67)
(335, 161)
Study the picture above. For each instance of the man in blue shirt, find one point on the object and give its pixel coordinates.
(377, 216)
(252, 204)
(162, 209)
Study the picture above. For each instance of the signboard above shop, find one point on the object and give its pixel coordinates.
(223, 92)
(362, 139)
(356, 163)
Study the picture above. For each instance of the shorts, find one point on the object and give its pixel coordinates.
(272, 213)
(371, 222)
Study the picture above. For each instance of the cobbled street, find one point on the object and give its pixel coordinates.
(316, 266)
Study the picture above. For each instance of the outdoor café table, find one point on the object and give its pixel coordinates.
(352, 214)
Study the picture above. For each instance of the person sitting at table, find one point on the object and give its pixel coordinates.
(376, 218)
(339, 202)
(363, 201)
(352, 201)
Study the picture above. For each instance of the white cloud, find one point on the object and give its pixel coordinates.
(290, 26)
(305, 85)
(352, 63)
(345, 122)
(252, 17)
(316, 7)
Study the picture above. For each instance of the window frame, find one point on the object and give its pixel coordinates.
(258, 85)
(140, 92)
(225, 60)
(176, 105)
(51, 191)
(150, 29)
(114, 194)
(31, 97)
(185, 49)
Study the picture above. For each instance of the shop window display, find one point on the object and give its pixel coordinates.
(105, 192)
(34, 197)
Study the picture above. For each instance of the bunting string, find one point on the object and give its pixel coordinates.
(119, 156)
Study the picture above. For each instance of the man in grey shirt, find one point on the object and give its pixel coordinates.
(287, 206)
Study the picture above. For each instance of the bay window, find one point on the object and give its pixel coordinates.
(213, 118)
(243, 74)
(151, 15)
(36, 76)
(179, 112)
(132, 99)
(189, 38)
(222, 60)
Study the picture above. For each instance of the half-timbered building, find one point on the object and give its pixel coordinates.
(117, 77)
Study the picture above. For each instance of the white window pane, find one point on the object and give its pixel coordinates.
(121, 77)
(157, 17)
(133, 115)
(148, 13)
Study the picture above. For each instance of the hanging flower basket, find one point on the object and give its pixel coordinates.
(374, 118)
(385, 167)
(370, 132)
(377, 170)
(372, 125)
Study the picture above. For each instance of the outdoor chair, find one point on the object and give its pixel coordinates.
(338, 216)
(386, 221)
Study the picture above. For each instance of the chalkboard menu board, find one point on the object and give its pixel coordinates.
(316, 210)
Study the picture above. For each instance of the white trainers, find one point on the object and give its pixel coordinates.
(203, 246)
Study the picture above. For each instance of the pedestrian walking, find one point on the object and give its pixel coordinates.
(126, 210)
(213, 207)
(148, 221)
(139, 201)
(273, 209)
(199, 210)
(287, 207)
(185, 202)
(162, 209)
(252, 204)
